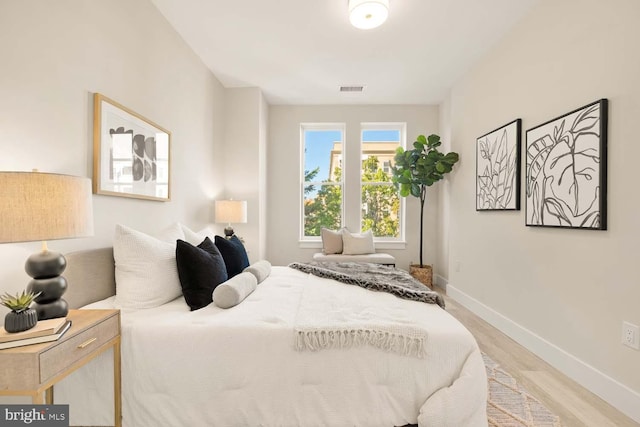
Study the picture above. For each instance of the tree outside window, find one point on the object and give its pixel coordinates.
(322, 180)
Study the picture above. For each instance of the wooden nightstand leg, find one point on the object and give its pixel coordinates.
(48, 396)
(36, 399)
(117, 392)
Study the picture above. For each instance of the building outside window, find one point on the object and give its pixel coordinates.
(382, 211)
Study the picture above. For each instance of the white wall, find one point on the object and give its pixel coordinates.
(284, 175)
(443, 217)
(564, 293)
(263, 199)
(55, 55)
(245, 163)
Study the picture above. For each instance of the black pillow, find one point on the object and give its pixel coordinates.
(234, 254)
(200, 269)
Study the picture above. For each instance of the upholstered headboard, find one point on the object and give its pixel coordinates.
(91, 276)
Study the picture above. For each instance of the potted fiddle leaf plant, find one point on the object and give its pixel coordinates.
(21, 317)
(415, 170)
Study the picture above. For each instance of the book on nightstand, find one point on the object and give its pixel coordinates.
(38, 339)
(43, 327)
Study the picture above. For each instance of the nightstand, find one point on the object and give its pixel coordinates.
(33, 370)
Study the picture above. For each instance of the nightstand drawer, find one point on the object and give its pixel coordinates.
(75, 348)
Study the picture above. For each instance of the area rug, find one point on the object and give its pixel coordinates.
(510, 405)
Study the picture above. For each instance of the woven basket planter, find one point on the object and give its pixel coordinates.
(423, 274)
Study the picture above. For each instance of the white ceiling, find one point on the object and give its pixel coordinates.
(300, 51)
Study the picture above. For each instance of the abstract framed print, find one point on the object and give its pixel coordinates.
(498, 168)
(131, 154)
(566, 178)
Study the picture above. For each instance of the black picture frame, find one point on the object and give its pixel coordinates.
(498, 168)
(566, 170)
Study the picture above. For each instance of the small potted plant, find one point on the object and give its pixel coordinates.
(413, 172)
(21, 317)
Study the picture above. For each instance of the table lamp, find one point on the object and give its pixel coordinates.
(230, 212)
(45, 206)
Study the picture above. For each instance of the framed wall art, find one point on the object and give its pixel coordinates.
(498, 168)
(566, 178)
(131, 154)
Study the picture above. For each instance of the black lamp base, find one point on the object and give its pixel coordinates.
(228, 232)
(45, 264)
(46, 268)
(51, 310)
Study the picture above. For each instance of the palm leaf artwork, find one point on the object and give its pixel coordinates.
(564, 177)
(537, 154)
(497, 157)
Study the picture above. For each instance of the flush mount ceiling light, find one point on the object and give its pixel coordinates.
(367, 14)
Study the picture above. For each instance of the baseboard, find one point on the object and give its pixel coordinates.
(440, 281)
(612, 391)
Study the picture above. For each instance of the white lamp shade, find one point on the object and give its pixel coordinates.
(367, 14)
(44, 206)
(231, 211)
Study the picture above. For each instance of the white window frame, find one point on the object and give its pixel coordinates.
(386, 242)
(314, 241)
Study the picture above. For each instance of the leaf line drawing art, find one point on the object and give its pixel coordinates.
(498, 168)
(566, 170)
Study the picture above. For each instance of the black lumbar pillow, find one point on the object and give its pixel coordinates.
(234, 254)
(200, 269)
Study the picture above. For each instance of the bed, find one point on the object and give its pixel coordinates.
(244, 366)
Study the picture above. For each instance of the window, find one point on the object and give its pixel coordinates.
(322, 178)
(381, 204)
(327, 175)
(386, 166)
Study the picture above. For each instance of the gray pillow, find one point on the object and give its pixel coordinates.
(331, 241)
(235, 290)
(260, 269)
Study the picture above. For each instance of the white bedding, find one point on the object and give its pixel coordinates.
(239, 367)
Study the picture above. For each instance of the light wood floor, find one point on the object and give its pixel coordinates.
(576, 406)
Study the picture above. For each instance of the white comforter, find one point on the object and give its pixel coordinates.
(239, 367)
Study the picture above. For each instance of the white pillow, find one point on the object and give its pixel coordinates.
(146, 271)
(196, 237)
(357, 244)
(331, 241)
(170, 234)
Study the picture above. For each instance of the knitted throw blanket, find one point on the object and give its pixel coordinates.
(374, 277)
(330, 317)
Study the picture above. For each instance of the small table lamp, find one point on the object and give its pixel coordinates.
(230, 211)
(45, 206)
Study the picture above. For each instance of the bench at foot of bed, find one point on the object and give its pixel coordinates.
(375, 258)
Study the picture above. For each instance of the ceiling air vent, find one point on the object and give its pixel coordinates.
(351, 88)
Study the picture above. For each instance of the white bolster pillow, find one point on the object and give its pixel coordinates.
(260, 269)
(235, 290)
